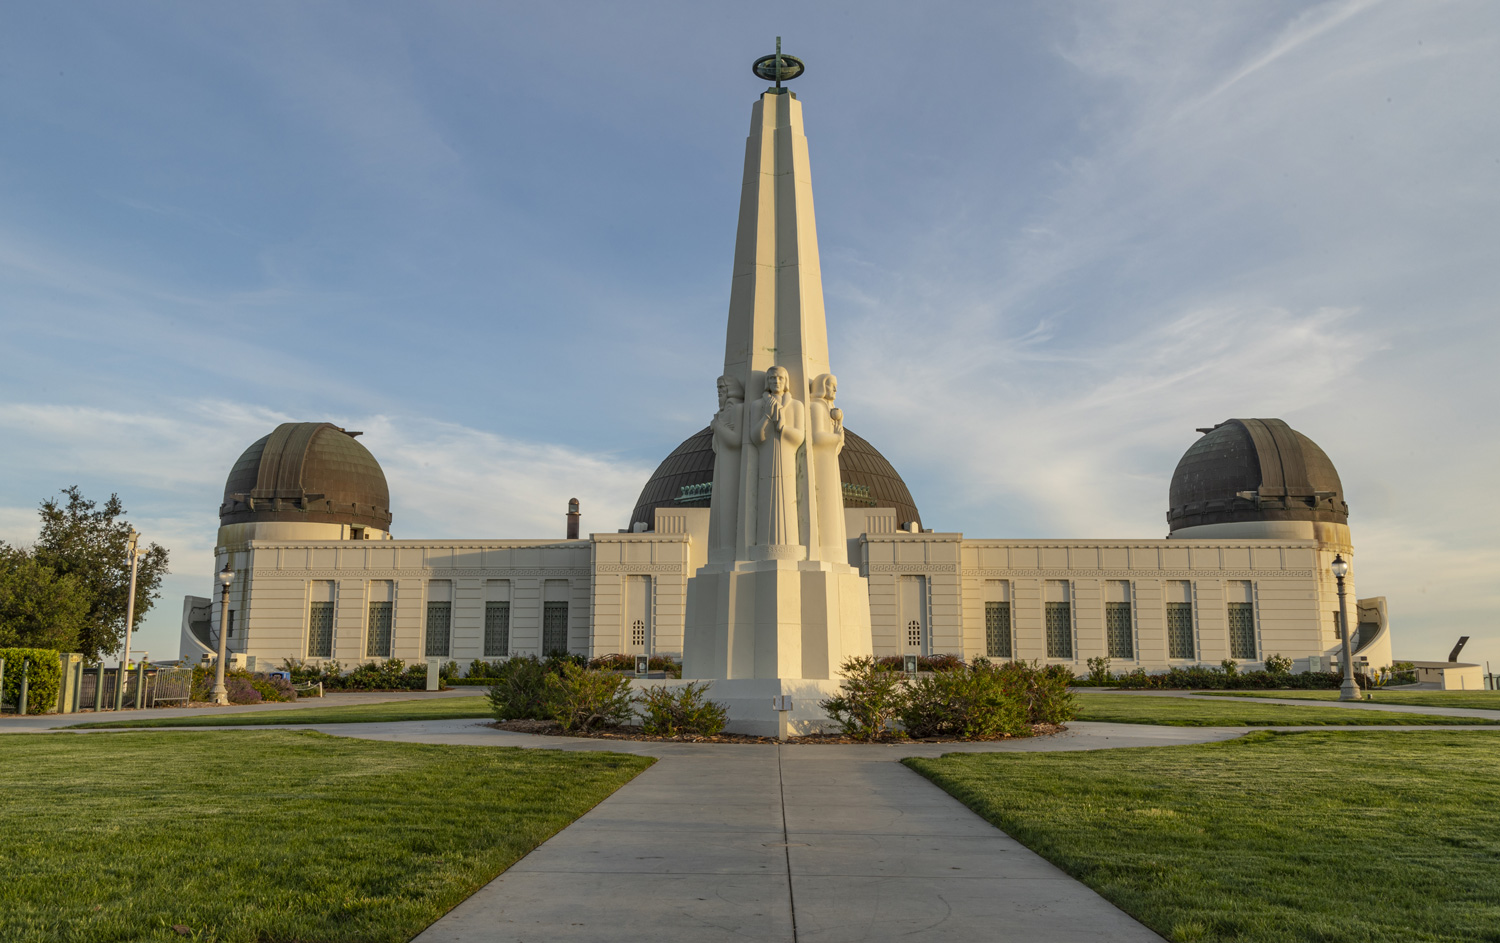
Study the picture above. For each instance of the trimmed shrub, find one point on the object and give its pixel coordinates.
(672, 712)
(1041, 692)
(519, 690)
(972, 703)
(1216, 679)
(1278, 665)
(947, 662)
(242, 686)
(580, 699)
(873, 696)
(43, 678)
(1099, 671)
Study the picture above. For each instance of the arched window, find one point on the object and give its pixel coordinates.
(638, 633)
(914, 634)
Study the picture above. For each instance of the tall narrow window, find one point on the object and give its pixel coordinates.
(1117, 625)
(496, 629)
(1180, 630)
(997, 630)
(1119, 632)
(638, 633)
(1239, 596)
(439, 629)
(378, 645)
(912, 603)
(1242, 630)
(554, 627)
(1059, 630)
(1181, 639)
(1059, 619)
(320, 630)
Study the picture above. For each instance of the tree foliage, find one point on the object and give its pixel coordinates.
(38, 607)
(88, 543)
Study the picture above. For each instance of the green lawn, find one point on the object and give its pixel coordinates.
(268, 836)
(1272, 838)
(1193, 712)
(1462, 700)
(444, 708)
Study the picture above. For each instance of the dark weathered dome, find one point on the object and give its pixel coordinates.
(1255, 470)
(307, 472)
(685, 478)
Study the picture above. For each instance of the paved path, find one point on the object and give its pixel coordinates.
(1376, 705)
(12, 723)
(797, 843)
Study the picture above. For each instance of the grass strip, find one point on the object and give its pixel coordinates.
(1460, 700)
(268, 836)
(445, 708)
(1195, 712)
(1270, 838)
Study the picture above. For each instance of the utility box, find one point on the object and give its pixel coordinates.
(434, 673)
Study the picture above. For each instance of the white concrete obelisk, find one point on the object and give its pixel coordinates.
(778, 600)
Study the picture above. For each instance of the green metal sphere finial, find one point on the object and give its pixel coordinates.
(778, 68)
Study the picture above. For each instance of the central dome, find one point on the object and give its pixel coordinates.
(685, 478)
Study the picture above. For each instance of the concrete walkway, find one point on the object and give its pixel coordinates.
(13, 723)
(796, 843)
(1376, 705)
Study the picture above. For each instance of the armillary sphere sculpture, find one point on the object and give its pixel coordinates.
(778, 68)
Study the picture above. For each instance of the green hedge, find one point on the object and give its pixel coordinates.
(42, 679)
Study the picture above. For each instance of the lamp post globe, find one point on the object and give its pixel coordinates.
(1349, 690)
(220, 692)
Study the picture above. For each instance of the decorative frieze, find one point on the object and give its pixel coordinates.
(495, 572)
(1071, 573)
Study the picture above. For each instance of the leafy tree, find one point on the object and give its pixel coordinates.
(38, 607)
(89, 543)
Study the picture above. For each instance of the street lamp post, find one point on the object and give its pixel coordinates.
(221, 693)
(1349, 691)
(135, 558)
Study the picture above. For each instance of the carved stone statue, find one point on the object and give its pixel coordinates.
(825, 440)
(729, 432)
(777, 427)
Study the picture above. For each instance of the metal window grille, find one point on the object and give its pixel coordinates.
(1059, 630)
(554, 627)
(1180, 630)
(320, 630)
(997, 629)
(1117, 627)
(1241, 630)
(914, 634)
(496, 629)
(439, 629)
(378, 645)
(638, 633)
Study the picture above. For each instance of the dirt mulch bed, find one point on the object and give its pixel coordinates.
(551, 729)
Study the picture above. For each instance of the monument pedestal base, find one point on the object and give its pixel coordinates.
(775, 619)
(752, 704)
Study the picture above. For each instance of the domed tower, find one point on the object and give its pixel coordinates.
(685, 479)
(305, 481)
(1258, 478)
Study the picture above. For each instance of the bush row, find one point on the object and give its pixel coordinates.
(978, 700)
(43, 678)
(242, 686)
(578, 697)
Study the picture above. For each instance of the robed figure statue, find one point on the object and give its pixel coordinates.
(825, 440)
(777, 427)
(729, 431)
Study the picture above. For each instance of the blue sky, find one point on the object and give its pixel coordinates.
(1056, 238)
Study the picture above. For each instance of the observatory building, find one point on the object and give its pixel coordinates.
(775, 542)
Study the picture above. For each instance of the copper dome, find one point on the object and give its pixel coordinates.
(684, 479)
(1255, 470)
(307, 472)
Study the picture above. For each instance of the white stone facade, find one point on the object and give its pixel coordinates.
(627, 593)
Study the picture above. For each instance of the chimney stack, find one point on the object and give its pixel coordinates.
(573, 519)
